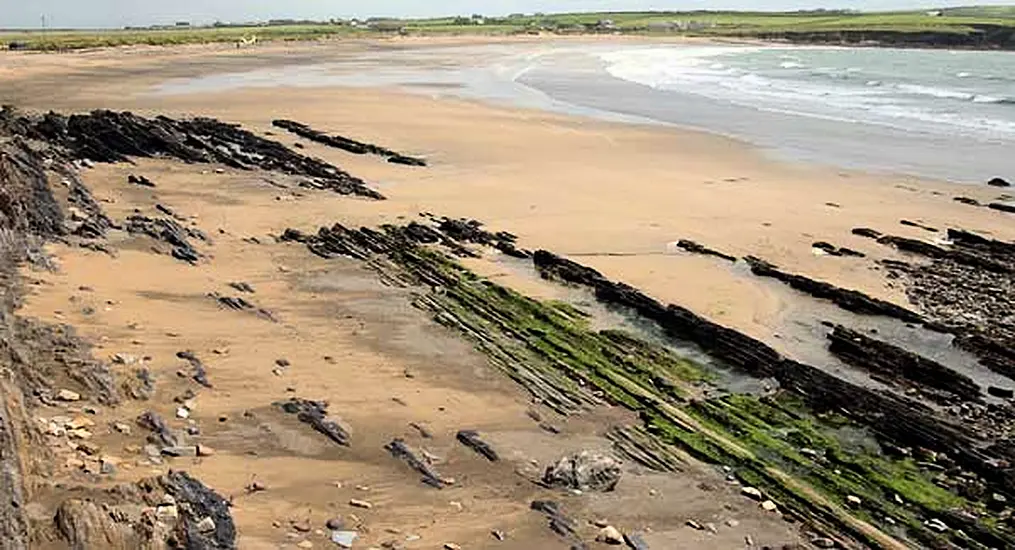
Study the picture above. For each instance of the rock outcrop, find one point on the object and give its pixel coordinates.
(107, 136)
(315, 414)
(170, 511)
(585, 471)
(901, 367)
(346, 144)
(893, 418)
(850, 300)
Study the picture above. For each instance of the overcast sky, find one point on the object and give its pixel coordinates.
(118, 13)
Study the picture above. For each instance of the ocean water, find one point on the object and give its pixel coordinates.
(932, 113)
(954, 93)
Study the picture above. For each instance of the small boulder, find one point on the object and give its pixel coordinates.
(360, 504)
(343, 539)
(585, 471)
(769, 506)
(998, 182)
(610, 535)
(68, 395)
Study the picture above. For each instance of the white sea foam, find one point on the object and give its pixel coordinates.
(833, 93)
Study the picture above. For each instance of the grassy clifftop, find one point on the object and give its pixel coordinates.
(985, 27)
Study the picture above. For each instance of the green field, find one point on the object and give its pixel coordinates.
(954, 26)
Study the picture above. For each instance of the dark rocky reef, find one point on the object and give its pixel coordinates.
(902, 367)
(568, 368)
(315, 414)
(841, 251)
(140, 181)
(107, 136)
(893, 418)
(400, 450)
(1002, 207)
(472, 440)
(918, 225)
(696, 248)
(362, 243)
(850, 300)
(967, 289)
(471, 231)
(346, 144)
(968, 256)
(168, 231)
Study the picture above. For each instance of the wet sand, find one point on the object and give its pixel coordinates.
(612, 196)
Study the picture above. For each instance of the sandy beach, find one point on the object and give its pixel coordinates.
(610, 195)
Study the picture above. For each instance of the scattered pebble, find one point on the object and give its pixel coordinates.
(360, 504)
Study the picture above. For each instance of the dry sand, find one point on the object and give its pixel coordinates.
(613, 196)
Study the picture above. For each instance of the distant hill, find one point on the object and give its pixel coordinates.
(1002, 12)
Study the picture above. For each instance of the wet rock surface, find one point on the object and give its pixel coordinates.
(902, 367)
(895, 419)
(346, 144)
(968, 290)
(850, 300)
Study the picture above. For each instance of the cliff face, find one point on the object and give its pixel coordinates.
(985, 37)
